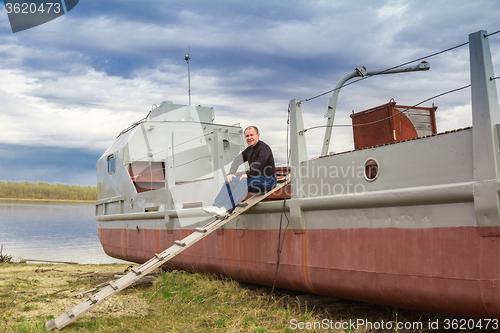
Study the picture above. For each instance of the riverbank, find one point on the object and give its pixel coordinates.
(177, 301)
(31, 294)
(44, 191)
(45, 200)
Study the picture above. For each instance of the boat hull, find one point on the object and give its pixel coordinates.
(413, 224)
(454, 273)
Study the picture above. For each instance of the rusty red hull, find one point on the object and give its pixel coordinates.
(444, 270)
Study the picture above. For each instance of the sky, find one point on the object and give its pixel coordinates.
(69, 86)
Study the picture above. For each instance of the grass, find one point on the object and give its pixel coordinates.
(206, 303)
(177, 302)
(5, 258)
(45, 191)
(181, 301)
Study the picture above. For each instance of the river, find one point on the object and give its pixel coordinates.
(51, 231)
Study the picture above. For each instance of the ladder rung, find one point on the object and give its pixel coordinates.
(160, 258)
(146, 268)
(92, 299)
(70, 312)
(51, 324)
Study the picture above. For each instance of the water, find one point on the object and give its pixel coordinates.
(51, 231)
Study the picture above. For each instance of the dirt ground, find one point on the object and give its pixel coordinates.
(30, 291)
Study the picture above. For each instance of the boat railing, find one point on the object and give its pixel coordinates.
(485, 140)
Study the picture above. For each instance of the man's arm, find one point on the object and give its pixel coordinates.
(240, 159)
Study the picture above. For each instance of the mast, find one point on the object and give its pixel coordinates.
(187, 58)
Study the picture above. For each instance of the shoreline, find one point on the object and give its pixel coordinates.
(48, 200)
(37, 292)
(175, 301)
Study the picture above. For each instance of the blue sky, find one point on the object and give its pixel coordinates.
(69, 86)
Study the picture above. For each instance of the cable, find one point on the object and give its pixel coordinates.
(283, 212)
(493, 33)
(329, 91)
(162, 121)
(147, 158)
(134, 124)
(406, 63)
(196, 159)
(201, 136)
(281, 243)
(494, 78)
(377, 121)
(381, 72)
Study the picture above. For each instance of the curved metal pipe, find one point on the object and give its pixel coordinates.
(360, 71)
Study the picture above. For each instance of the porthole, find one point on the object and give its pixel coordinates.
(371, 170)
(225, 144)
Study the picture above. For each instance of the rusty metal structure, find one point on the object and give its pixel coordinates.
(411, 221)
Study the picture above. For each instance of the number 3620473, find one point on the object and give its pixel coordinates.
(32, 8)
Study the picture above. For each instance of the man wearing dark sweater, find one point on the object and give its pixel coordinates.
(261, 177)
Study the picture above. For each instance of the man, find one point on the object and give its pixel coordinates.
(261, 177)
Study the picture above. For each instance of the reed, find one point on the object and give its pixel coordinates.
(46, 191)
(5, 258)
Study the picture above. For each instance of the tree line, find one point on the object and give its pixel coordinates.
(44, 190)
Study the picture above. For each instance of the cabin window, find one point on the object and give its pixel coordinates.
(147, 176)
(111, 164)
(371, 169)
(225, 144)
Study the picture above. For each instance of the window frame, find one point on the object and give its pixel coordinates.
(111, 157)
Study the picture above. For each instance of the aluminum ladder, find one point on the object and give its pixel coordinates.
(158, 260)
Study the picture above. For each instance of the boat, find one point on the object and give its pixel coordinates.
(409, 218)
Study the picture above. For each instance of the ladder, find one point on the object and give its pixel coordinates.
(158, 260)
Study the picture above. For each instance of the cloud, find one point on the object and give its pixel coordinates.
(77, 81)
(50, 164)
(53, 110)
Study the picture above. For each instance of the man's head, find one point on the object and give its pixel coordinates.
(252, 135)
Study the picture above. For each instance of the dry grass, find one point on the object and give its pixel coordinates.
(5, 258)
(177, 301)
(44, 190)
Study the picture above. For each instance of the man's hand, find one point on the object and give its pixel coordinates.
(230, 177)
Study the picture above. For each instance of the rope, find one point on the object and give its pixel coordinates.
(377, 121)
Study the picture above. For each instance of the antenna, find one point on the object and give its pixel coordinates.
(187, 58)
